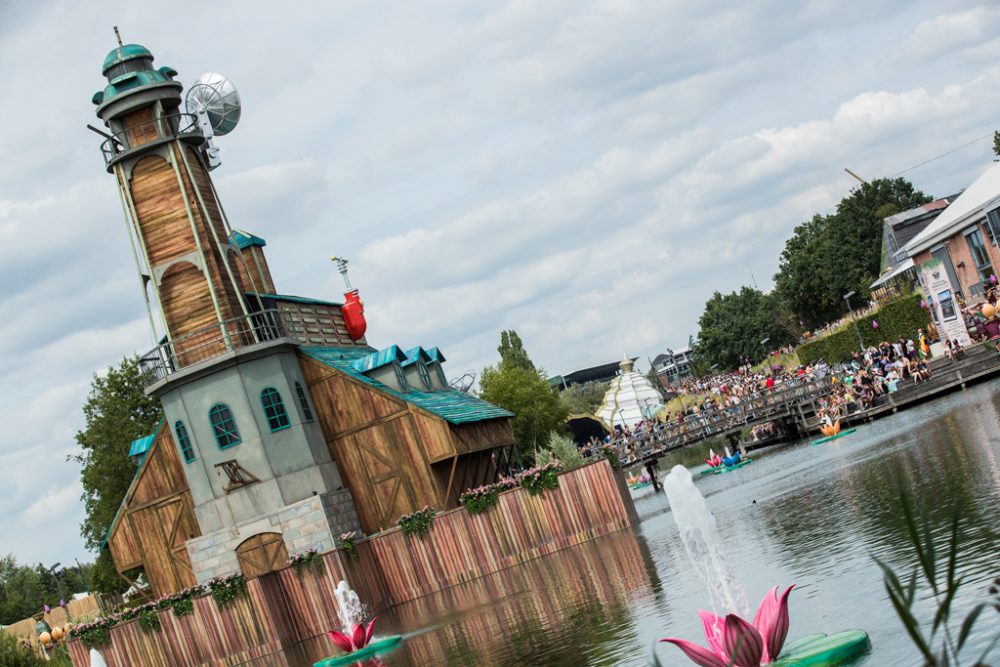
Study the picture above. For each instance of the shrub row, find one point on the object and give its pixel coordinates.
(901, 317)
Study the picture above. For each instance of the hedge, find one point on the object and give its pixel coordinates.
(901, 317)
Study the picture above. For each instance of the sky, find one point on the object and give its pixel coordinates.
(585, 172)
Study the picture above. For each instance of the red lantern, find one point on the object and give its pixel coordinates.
(353, 311)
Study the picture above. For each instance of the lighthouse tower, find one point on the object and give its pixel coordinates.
(262, 481)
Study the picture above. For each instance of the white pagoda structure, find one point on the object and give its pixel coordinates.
(630, 399)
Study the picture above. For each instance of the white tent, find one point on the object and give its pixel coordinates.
(630, 399)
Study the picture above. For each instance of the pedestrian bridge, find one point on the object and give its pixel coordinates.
(793, 404)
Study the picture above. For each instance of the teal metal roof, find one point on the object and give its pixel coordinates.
(141, 445)
(134, 78)
(436, 355)
(378, 359)
(414, 354)
(123, 53)
(451, 405)
(246, 239)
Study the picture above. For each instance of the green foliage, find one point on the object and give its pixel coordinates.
(117, 411)
(480, 499)
(901, 317)
(733, 326)
(996, 144)
(832, 255)
(349, 543)
(417, 523)
(149, 621)
(936, 564)
(311, 559)
(563, 450)
(584, 398)
(540, 478)
(225, 590)
(512, 352)
(611, 455)
(25, 589)
(515, 384)
(15, 653)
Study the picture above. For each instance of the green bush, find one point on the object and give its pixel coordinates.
(563, 449)
(901, 317)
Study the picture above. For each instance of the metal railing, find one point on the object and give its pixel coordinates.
(165, 127)
(210, 342)
(762, 406)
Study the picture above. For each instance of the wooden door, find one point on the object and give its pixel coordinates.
(261, 554)
(178, 525)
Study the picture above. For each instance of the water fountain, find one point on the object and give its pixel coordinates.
(732, 640)
(354, 638)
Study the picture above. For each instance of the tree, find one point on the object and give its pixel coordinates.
(512, 351)
(515, 384)
(996, 144)
(832, 255)
(25, 589)
(733, 326)
(584, 398)
(117, 412)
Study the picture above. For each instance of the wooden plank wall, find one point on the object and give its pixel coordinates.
(158, 519)
(385, 447)
(588, 503)
(288, 606)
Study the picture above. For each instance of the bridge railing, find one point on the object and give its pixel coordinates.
(779, 401)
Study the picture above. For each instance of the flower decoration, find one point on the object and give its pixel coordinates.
(734, 642)
(360, 637)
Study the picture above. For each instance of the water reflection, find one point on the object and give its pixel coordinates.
(821, 513)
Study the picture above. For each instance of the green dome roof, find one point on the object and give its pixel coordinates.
(123, 53)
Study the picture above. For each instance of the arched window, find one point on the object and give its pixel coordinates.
(307, 414)
(226, 433)
(425, 377)
(274, 409)
(184, 442)
(401, 377)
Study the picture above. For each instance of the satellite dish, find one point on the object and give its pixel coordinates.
(217, 97)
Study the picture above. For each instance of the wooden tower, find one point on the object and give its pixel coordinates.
(179, 232)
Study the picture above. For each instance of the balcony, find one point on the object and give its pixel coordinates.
(159, 130)
(211, 342)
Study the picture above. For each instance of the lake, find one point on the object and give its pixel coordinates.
(821, 514)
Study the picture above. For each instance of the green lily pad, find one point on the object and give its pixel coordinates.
(380, 646)
(824, 650)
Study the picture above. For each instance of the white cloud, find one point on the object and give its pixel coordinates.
(585, 172)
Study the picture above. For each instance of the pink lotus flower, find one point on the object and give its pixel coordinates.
(735, 642)
(359, 639)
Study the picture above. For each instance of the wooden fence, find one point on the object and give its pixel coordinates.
(289, 606)
(75, 611)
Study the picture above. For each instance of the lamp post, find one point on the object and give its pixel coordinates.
(847, 300)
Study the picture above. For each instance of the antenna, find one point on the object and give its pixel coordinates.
(213, 100)
(118, 37)
(342, 267)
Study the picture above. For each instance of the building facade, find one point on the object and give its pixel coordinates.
(282, 429)
(957, 254)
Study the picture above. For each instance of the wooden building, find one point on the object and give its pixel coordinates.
(156, 518)
(282, 427)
